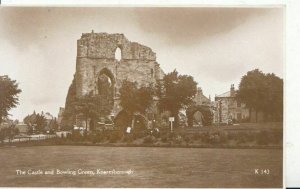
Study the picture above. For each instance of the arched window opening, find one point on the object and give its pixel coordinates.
(197, 119)
(104, 83)
(118, 54)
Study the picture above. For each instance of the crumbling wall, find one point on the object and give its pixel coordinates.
(96, 52)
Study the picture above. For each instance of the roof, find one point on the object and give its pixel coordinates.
(227, 94)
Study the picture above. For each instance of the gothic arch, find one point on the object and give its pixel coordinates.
(118, 53)
(108, 73)
(105, 84)
(204, 110)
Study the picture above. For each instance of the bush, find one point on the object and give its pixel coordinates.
(262, 138)
(274, 137)
(196, 136)
(214, 138)
(128, 138)
(178, 139)
(76, 136)
(148, 140)
(164, 138)
(187, 139)
(223, 137)
(138, 134)
(114, 137)
(205, 137)
(96, 138)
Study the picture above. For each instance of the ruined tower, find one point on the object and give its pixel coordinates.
(100, 72)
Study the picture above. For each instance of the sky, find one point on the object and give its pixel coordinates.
(217, 46)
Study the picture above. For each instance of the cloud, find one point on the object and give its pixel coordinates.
(191, 25)
(214, 45)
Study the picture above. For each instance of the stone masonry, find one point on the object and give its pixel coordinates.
(96, 58)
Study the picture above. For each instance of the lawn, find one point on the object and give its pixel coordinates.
(152, 167)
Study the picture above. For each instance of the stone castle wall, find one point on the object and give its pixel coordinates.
(96, 56)
(96, 51)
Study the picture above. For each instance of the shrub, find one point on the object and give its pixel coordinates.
(114, 137)
(138, 134)
(164, 138)
(128, 138)
(187, 139)
(214, 138)
(196, 136)
(148, 140)
(205, 137)
(223, 137)
(262, 138)
(178, 139)
(76, 136)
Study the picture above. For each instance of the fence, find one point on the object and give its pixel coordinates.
(29, 138)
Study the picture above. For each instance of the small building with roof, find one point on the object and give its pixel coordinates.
(228, 109)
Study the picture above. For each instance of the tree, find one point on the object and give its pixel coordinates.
(54, 125)
(176, 92)
(8, 132)
(261, 92)
(30, 119)
(274, 97)
(134, 99)
(8, 96)
(86, 108)
(40, 122)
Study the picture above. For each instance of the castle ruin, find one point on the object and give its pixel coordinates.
(99, 70)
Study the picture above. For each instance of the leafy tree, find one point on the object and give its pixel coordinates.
(69, 115)
(40, 122)
(176, 92)
(274, 97)
(8, 96)
(262, 93)
(54, 124)
(86, 108)
(134, 99)
(30, 119)
(2, 135)
(8, 132)
(252, 90)
(30, 130)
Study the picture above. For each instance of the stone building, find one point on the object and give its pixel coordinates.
(201, 99)
(229, 109)
(100, 70)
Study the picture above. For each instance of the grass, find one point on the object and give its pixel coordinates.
(153, 167)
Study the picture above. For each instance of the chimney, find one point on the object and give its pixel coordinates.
(232, 91)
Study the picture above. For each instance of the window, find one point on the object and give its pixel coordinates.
(118, 54)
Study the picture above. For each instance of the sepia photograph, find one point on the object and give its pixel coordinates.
(142, 97)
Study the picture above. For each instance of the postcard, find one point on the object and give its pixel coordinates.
(142, 97)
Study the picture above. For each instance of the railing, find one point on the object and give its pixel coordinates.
(29, 138)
